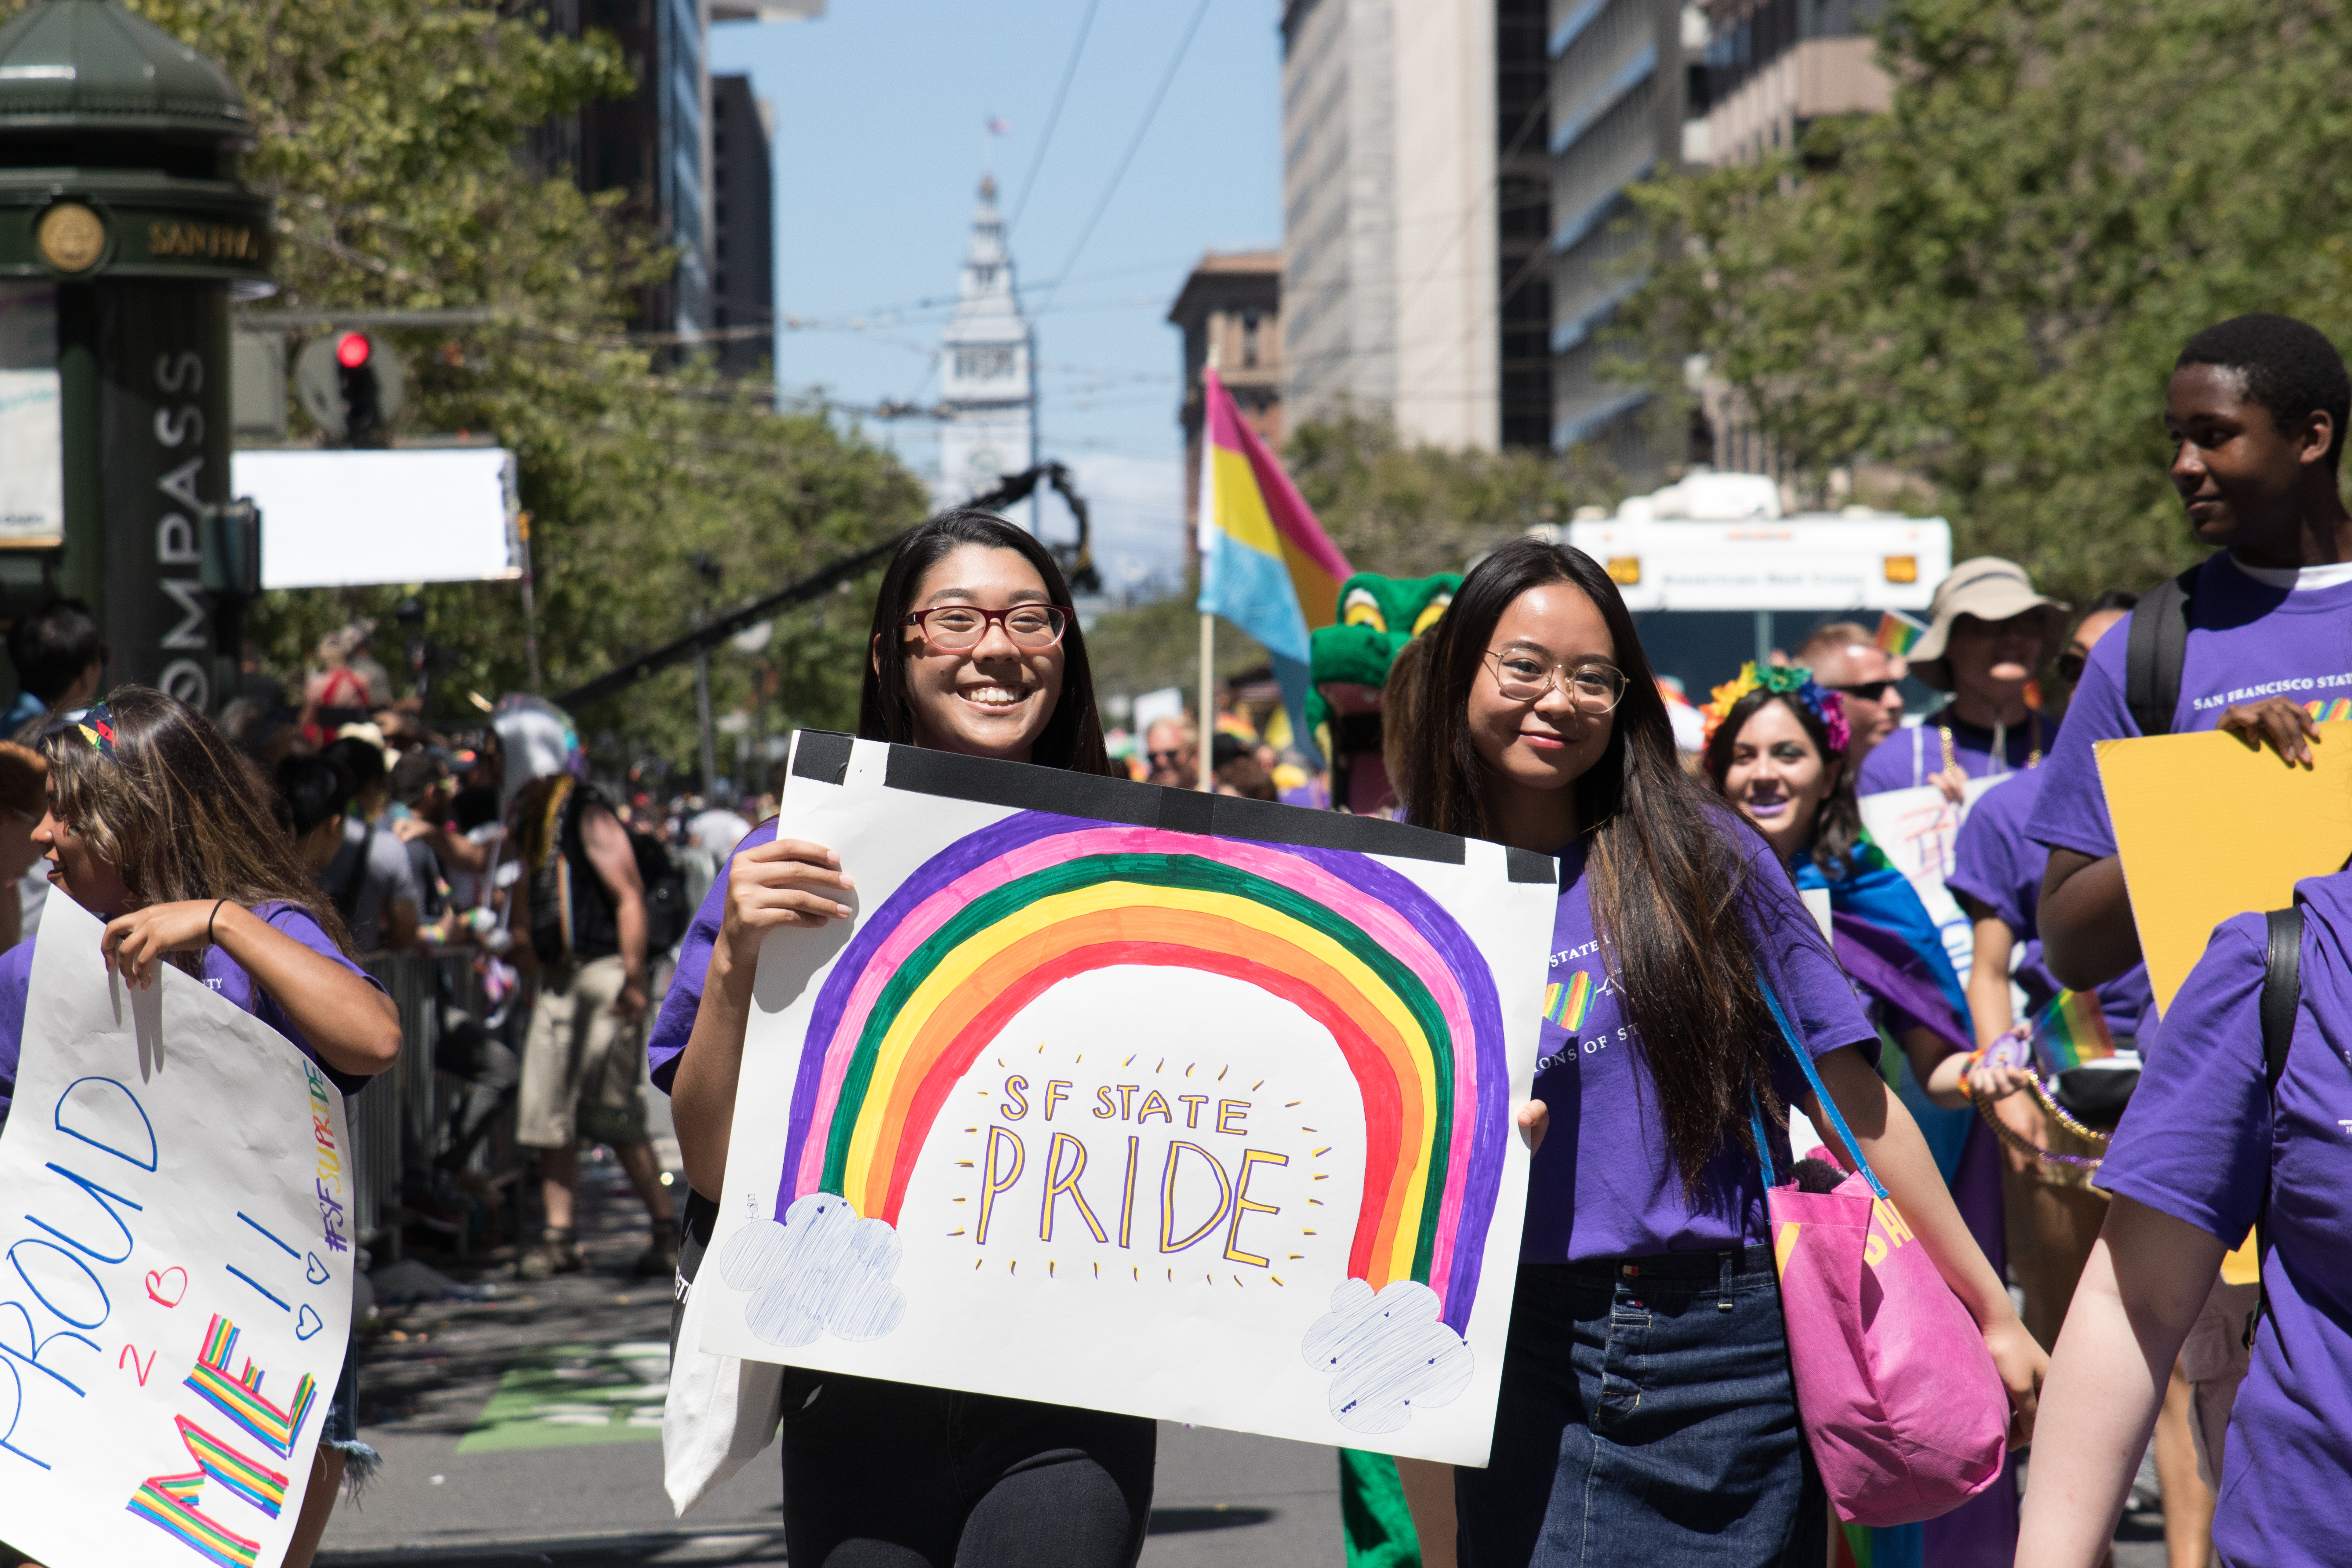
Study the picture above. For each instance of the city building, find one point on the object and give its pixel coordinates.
(987, 370)
(1644, 85)
(1391, 234)
(1233, 301)
(657, 142)
(742, 222)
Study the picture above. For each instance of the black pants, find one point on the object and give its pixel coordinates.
(891, 1475)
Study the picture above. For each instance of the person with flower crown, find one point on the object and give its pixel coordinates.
(1777, 747)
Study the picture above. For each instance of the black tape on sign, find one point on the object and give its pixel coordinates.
(823, 755)
(1526, 866)
(1022, 788)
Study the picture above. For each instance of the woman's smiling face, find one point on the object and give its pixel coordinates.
(993, 699)
(1777, 778)
(1547, 745)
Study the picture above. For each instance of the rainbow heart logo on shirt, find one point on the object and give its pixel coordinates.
(1567, 1004)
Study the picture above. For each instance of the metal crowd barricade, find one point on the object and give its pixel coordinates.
(398, 1121)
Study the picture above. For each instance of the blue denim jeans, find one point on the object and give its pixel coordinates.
(1647, 1418)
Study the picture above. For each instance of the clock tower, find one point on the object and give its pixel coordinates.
(988, 378)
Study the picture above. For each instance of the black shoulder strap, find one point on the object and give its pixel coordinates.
(2152, 657)
(2282, 995)
(347, 897)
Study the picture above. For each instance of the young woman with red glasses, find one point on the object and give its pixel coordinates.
(976, 649)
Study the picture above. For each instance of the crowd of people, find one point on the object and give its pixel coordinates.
(1764, 963)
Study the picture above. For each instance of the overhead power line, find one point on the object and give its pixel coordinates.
(1061, 96)
(1151, 112)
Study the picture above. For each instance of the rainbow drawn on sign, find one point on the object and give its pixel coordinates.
(2326, 711)
(171, 1501)
(996, 919)
(1567, 1004)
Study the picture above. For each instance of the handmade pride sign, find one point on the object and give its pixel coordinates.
(176, 1296)
(1140, 1100)
(1918, 830)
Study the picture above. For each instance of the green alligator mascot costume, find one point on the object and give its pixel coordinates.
(1350, 664)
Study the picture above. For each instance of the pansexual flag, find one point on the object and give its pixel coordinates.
(1897, 633)
(2069, 1031)
(1265, 564)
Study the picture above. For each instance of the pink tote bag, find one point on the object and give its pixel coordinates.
(1901, 1402)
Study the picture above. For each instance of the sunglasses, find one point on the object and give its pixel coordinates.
(1868, 691)
(1168, 759)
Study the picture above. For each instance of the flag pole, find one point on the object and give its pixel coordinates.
(1208, 701)
(1206, 743)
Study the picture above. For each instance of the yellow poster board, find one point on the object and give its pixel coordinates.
(2209, 829)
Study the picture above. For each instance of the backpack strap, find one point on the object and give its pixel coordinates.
(2282, 995)
(347, 897)
(2157, 645)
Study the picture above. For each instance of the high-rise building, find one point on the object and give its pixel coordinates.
(656, 144)
(1232, 303)
(1391, 223)
(742, 222)
(988, 380)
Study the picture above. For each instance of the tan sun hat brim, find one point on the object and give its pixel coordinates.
(1991, 589)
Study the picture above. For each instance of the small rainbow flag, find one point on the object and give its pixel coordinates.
(2071, 1031)
(1567, 1004)
(1897, 633)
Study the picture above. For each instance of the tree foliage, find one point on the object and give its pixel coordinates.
(1984, 287)
(1406, 511)
(393, 134)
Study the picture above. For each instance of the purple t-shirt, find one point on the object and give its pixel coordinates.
(220, 972)
(2247, 640)
(1998, 866)
(675, 1022)
(1915, 753)
(2200, 1142)
(1604, 1183)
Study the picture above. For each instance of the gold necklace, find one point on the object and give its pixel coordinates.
(2032, 754)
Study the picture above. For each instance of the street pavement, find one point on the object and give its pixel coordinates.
(525, 1427)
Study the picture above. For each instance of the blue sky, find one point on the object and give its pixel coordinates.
(881, 112)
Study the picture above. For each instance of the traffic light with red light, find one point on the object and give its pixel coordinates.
(352, 385)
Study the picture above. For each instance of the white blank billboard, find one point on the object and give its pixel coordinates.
(342, 519)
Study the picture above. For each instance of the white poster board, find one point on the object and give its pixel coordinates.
(1919, 829)
(1140, 1100)
(412, 514)
(176, 1271)
(32, 428)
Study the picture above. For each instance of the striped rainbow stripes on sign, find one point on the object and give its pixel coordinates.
(170, 1503)
(2069, 1031)
(1567, 1004)
(1897, 633)
(240, 1399)
(1002, 915)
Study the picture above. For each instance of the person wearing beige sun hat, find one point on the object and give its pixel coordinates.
(1990, 632)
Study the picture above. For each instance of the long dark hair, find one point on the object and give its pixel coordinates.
(1837, 825)
(1072, 738)
(1666, 858)
(174, 811)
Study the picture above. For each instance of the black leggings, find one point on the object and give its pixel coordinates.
(891, 1475)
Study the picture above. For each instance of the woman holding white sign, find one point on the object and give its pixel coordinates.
(1647, 1410)
(154, 827)
(976, 649)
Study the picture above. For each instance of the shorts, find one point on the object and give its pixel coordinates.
(2214, 1359)
(582, 1067)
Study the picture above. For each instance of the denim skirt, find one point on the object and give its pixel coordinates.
(1647, 1418)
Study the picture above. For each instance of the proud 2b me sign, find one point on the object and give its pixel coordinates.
(1140, 1100)
(176, 1269)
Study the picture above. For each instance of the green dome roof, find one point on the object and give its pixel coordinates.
(90, 65)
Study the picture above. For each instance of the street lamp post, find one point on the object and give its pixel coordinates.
(123, 230)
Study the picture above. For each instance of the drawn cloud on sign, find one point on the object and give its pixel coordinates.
(823, 1268)
(1387, 1354)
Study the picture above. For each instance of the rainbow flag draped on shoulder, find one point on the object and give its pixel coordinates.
(1265, 563)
